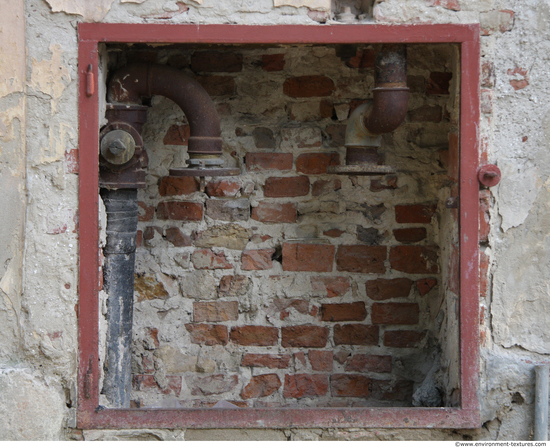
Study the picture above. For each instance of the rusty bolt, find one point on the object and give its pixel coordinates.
(118, 147)
(489, 175)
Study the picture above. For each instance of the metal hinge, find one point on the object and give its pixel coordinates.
(90, 84)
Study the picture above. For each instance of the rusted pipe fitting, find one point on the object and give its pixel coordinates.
(391, 94)
(130, 83)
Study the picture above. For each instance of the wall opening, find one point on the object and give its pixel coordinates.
(288, 287)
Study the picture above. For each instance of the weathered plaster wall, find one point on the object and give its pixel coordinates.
(38, 176)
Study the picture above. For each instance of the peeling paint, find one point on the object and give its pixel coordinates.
(318, 5)
(93, 11)
(50, 76)
(12, 42)
(517, 192)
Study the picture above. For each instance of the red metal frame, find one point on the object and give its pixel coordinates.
(90, 415)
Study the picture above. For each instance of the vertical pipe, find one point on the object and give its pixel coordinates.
(541, 402)
(118, 282)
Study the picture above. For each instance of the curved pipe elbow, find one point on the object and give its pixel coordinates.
(130, 83)
(391, 94)
(389, 109)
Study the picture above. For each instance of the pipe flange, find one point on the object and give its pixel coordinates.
(204, 172)
(368, 169)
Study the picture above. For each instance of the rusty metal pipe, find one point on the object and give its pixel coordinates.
(130, 83)
(390, 94)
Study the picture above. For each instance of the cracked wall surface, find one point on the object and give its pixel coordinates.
(39, 178)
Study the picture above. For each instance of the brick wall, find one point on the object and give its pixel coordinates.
(288, 286)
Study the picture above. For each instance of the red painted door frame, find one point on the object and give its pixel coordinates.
(90, 414)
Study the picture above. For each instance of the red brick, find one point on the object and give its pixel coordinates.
(181, 211)
(426, 113)
(273, 62)
(274, 212)
(356, 334)
(308, 86)
(438, 83)
(283, 187)
(216, 61)
(369, 363)
(320, 360)
(263, 161)
(146, 212)
(308, 257)
(359, 258)
(304, 336)
(322, 187)
(303, 385)
(316, 162)
(71, 161)
(257, 259)
(215, 311)
(425, 285)
(269, 361)
(330, 286)
(484, 261)
(221, 188)
(218, 85)
(261, 386)
(149, 232)
(213, 384)
(395, 313)
(410, 235)
(386, 390)
(340, 312)
(176, 186)
(234, 285)
(207, 334)
(148, 382)
(177, 135)
(207, 259)
(254, 335)
(349, 385)
(384, 289)
(177, 238)
(333, 233)
(403, 338)
(414, 259)
(415, 213)
(523, 80)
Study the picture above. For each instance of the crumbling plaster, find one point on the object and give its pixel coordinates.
(38, 283)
